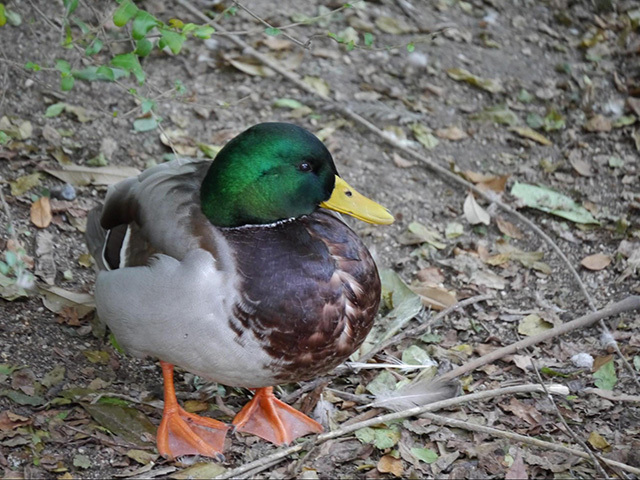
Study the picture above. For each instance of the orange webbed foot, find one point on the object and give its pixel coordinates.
(273, 420)
(183, 433)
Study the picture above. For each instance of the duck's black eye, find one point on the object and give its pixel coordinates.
(305, 167)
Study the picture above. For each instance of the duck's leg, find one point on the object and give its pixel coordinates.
(183, 433)
(273, 420)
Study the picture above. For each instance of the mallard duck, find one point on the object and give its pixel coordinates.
(235, 271)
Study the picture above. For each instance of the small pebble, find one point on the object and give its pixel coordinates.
(66, 192)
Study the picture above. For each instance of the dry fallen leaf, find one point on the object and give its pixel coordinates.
(598, 261)
(402, 162)
(531, 134)
(25, 183)
(389, 464)
(41, 212)
(533, 325)
(452, 133)
(598, 441)
(496, 184)
(249, 66)
(79, 175)
(581, 166)
(46, 265)
(517, 470)
(318, 84)
(508, 228)
(598, 123)
(434, 296)
(473, 212)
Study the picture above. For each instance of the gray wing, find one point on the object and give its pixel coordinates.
(164, 203)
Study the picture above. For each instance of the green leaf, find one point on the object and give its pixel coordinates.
(83, 26)
(54, 376)
(81, 461)
(171, 39)
(124, 13)
(606, 376)
(415, 355)
(63, 66)
(106, 73)
(147, 105)
(550, 201)
(70, 6)
(368, 39)
(385, 382)
(199, 470)
(500, 114)
(287, 103)
(490, 85)
(130, 63)
(210, 151)
(55, 109)
(534, 120)
(145, 124)
(6, 369)
(68, 37)
(425, 454)
(524, 96)
(143, 47)
(204, 32)
(143, 22)
(66, 82)
(553, 120)
(382, 438)
(99, 357)
(22, 398)
(272, 31)
(3, 15)
(101, 73)
(4, 138)
(94, 48)
(128, 423)
(424, 136)
(32, 66)
(411, 47)
(113, 401)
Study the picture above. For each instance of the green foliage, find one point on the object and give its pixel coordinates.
(606, 377)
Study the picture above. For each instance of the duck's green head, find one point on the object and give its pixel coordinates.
(276, 171)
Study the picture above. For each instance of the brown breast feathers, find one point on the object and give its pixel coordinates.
(311, 292)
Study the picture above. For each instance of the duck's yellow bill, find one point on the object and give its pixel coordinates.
(345, 199)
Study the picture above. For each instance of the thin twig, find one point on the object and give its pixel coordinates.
(285, 452)
(595, 460)
(628, 304)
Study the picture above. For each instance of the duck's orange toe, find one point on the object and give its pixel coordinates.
(183, 433)
(273, 420)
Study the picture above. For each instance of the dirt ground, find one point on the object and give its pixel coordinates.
(554, 101)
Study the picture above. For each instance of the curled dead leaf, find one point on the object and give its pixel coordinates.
(41, 212)
(598, 261)
(435, 296)
(473, 212)
(389, 464)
